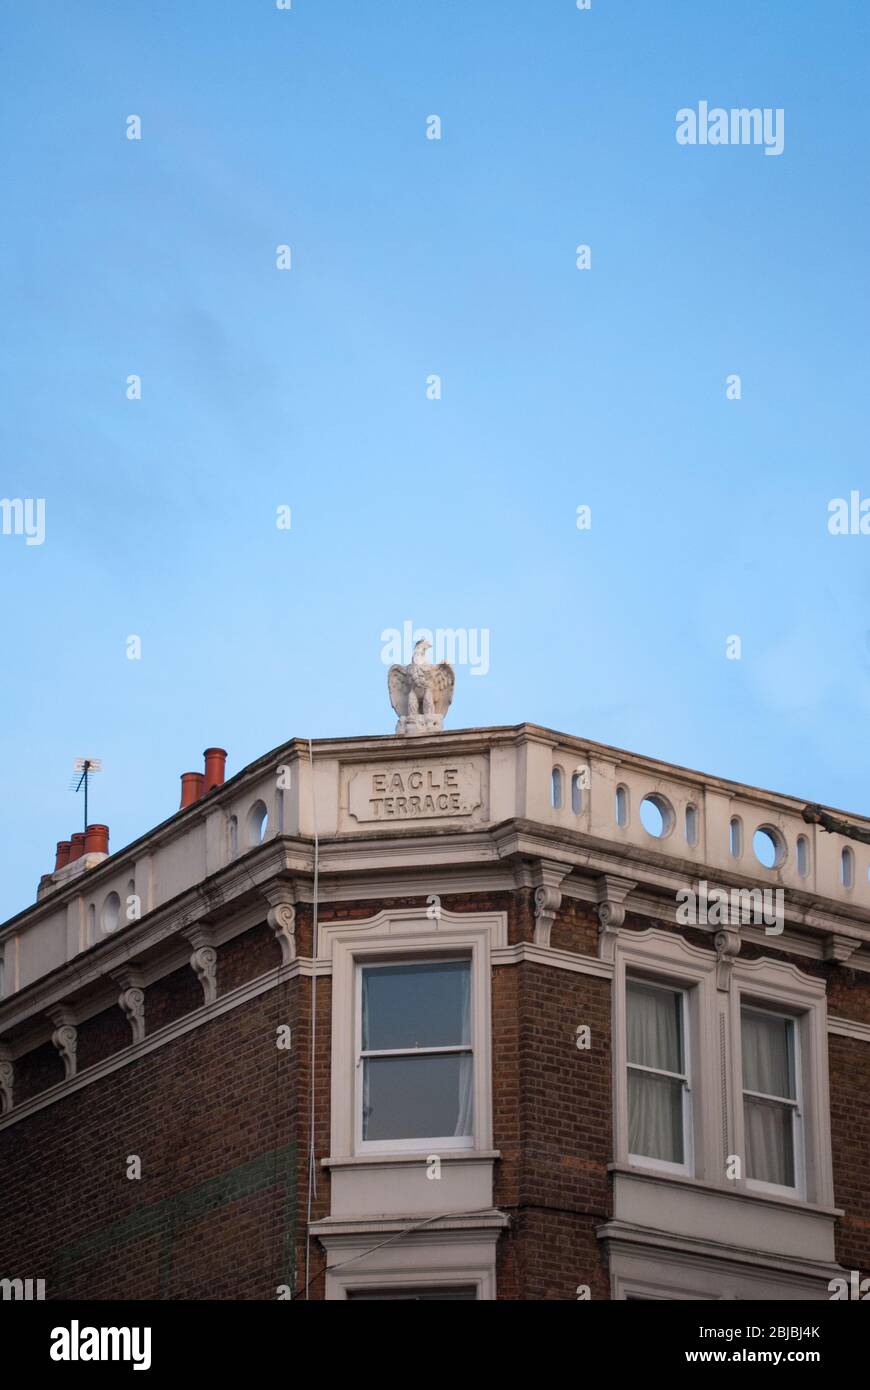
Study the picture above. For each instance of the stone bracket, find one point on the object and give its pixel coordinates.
(727, 943)
(203, 960)
(612, 892)
(65, 1037)
(282, 917)
(548, 876)
(131, 1000)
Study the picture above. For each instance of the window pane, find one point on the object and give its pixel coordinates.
(767, 1063)
(655, 1027)
(416, 1006)
(655, 1117)
(769, 1143)
(417, 1097)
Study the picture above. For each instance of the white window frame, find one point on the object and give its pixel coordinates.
(430, 1142)
(394, 936)
(662, 1165)
(394, 1291)
(662, 958)
(782, 988)
(421, 1259)
(716, 998)
(799, 1189)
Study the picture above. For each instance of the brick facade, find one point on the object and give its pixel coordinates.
(219, 1117)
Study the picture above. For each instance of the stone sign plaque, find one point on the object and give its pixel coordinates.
(428, 789)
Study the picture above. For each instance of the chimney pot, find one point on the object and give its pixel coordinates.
(97, 839)
(76, 846)
(191, 788)
(215, 765)
(63, 849)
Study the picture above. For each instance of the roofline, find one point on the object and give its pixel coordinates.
(420, 745)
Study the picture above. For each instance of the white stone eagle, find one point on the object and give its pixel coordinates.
(421, 693)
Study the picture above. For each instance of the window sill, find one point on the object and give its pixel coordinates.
(722, 1218)
(410, 1185)
(385, 1157)
(731, 1189)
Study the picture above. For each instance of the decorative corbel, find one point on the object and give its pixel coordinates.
(282, 917)
(65, 1037)
(841, 948)
(548, 875)
(612, 892)
(6, 1078)
(131, 1000)
(727, 943)
(203, 960)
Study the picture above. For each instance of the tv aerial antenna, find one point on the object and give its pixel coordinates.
(84, 771)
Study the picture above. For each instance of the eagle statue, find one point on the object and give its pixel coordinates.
(421, 693)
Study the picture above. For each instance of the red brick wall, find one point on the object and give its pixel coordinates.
(102, 1036)
(576, 928)
(850, 1140)
(171, 998)
(248, 955)
(214, 1214)
(36, 1071)
(565, 1118)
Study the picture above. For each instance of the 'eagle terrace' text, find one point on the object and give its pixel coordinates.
(416, 793)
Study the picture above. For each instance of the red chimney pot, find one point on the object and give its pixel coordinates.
(215, 765)
(191, 788)
(63, 849)
(76, 845)
(97, 839)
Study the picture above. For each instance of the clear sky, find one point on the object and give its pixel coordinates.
(306, 388)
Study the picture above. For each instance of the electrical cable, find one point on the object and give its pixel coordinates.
(312, 1179)
(408, 1230)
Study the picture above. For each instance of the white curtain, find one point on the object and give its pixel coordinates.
(769, 1143)
(767, 1068)
(766, 1065)
(654, 1028)
(655, 1103)
(465, 1117)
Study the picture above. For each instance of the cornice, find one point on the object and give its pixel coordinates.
(361, 748)
(628, 1238)
(369, 865)
(158, 932)
(849, 1028)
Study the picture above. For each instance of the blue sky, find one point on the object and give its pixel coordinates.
(307, 388)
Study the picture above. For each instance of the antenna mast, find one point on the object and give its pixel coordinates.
(84, 771)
